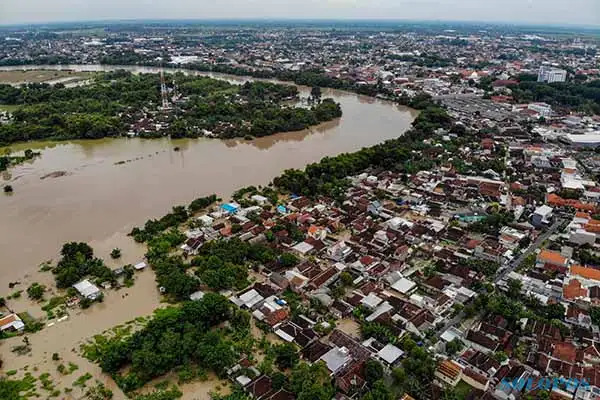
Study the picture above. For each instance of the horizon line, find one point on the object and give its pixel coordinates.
(113, 21)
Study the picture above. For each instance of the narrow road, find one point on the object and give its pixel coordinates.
(511, 267)
(530, 250)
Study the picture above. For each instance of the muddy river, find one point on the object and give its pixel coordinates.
(78, 190)
(95, 191)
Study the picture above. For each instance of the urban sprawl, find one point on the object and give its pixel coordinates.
(439, 265)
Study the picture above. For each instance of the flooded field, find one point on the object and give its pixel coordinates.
(40, 76)
(96, 191)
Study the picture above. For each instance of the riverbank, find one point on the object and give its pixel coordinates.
(98, 200)
(299, 78)
(97, 197)
(151, 105)
(16, 77)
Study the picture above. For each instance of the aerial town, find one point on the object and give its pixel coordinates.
(457, 261)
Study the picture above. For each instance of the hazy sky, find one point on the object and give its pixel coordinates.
(580, 12)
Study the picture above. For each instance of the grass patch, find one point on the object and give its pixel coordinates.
(462, 390)
(82, 380)
(32, 325)
(14, 389)
(47, 383)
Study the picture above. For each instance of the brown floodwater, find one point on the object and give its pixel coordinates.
(87, 196)
(81, 190)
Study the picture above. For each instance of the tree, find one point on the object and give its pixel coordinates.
(346, 278)
(36, 291)
(77, 262)
(278, 380)
(500, 356)
(595, 315)
(379, 391)
(99, 392)
(454, 346)
(286, 355)
(8, 189)
(514, 288)
(311, 382)
(288, 260)
(373, 372)
(115, 253)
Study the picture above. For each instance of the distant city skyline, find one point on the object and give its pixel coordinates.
(555, 12)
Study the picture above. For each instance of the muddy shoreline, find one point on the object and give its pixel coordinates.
(95, 198)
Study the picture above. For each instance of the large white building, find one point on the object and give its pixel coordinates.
(543, 109)
(550, 75)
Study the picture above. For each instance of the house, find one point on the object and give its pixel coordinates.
(404, 286)
(336, 358)
(261, 200)
(542, 216)
(196, 296)
(11, 323)
(260, 386)
(390, 354)
(249, 300)
(586, 272)
(205, 220)
(339, 251)
(449, 372)
(230, 208)
(303, 248)
(87, 289)
(475, 379)
(574, 290)
(552, 260)
(482, 342)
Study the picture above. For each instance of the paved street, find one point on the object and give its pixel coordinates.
(511, 267)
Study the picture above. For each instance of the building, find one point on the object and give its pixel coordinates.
(336, 358)
(552, 260)
(390, 354)
(11, 323)
(550, 75)
(542, 216)
(543, 109)
(87, 289)
(449, 372)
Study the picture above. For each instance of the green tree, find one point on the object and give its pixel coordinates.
(288, 260)
(454, 346)
(286, 355)
(315, 93)
(115, 253)
(379, 391)
(514, 288)
(373, 372)
(36, 291)
(346, 278)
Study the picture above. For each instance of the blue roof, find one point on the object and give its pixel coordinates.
(229, 207)
(281, 209)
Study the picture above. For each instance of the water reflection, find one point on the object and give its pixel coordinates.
(266, 142)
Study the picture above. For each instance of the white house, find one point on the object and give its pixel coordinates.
(87, 289)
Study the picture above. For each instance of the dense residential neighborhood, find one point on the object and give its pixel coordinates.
(457, 261)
